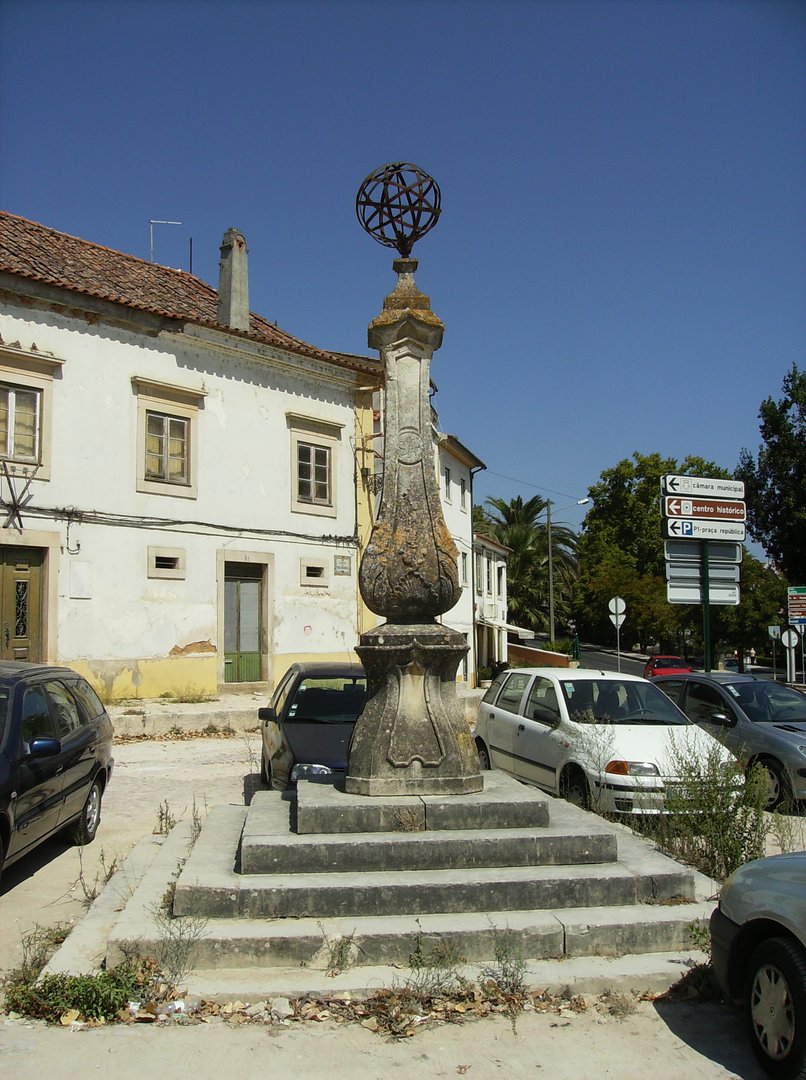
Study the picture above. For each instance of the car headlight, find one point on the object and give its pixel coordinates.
(619, 767)
(305, 772)
(802, 749)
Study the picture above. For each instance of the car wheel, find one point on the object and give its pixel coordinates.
(775, 1007)
(86, 827)
(484, 757)
(779, 790)
(574, 788)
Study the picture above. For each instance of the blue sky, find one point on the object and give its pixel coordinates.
(621, 259)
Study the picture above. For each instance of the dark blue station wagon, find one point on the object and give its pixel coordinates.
(55, 757)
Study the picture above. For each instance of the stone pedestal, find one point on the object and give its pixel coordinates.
(411, 738)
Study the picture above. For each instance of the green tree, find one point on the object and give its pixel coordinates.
(517, 525)
(775, 482)
(621, 552)
(763, 596)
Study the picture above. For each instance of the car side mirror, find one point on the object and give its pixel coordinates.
(266, 713)
(545, 715)
(42, 748)
(722, 719)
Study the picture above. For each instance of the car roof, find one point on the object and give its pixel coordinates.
(710, 676)
(577, 673)
(327, 667)
(14, 671)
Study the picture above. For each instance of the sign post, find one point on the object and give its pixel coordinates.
(775, 635)
(790, 639)
(617, 608)
(704, 525)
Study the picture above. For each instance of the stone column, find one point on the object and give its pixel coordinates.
(411, 738)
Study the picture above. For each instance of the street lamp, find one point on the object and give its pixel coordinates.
(579, 502)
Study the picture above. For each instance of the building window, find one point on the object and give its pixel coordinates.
(447, 484)
(167, 448)
(168, 419)
(314, 459)
(464, 567)
(479, 577)
(166, 563)
(313, 474)
(462, 493)
(489, 575)
(314, 572)
(20, 412)
(26, 409)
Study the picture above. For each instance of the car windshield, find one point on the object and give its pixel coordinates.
(613, 701)
(671, 662)
(334, 700)
(767, 702)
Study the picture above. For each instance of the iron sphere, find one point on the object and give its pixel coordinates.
(397, 204)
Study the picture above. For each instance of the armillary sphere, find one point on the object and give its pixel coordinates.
(397, 204)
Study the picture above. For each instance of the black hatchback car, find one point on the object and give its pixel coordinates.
(306, 730)
(55, 757)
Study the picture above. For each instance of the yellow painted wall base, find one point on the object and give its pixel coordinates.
(181, 678)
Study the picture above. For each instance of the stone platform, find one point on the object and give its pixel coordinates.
(296, 879)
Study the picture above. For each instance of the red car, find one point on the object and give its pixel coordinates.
(666, 665)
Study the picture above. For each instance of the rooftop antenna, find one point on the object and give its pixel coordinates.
(151, 223)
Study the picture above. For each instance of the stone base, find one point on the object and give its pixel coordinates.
(411, 738)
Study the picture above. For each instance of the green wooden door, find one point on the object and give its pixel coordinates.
(243, 590)
(21, 603)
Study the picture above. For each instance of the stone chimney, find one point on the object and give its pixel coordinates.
(233, 282)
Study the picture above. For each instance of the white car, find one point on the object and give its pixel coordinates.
(596, 738)
(758, 949)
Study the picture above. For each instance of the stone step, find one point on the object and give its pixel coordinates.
(417, 892)
(333, 945)
(267, 847)
(322, 807)
(651, 973)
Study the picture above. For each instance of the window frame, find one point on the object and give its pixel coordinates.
(171, 402)
(316, 433)
(32, 372)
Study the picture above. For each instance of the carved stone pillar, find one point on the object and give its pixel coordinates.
(411, 738)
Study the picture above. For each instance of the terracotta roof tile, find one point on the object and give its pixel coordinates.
(34, 251)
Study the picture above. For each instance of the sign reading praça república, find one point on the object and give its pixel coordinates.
(701, 513)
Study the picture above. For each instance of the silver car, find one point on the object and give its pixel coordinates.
(758, 946)
(596, 738)
(759, 720)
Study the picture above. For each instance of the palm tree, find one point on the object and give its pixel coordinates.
(515, 524)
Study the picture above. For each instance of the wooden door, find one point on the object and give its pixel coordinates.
(21, 603)
(243, 587)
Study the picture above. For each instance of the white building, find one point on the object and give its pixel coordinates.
(490, 589)
(457, 467)
(184, 486)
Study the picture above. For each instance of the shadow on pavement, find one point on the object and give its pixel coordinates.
(715, 1031)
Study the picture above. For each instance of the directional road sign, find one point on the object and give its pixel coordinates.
(796, 605)
(692, 571)
(678, 592)
(708, 509)
(688, 529)
(703, 486)
(718, 552)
